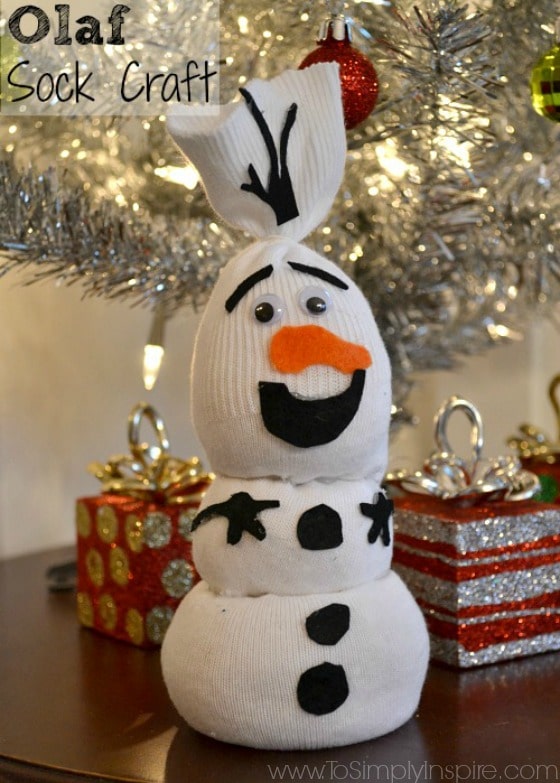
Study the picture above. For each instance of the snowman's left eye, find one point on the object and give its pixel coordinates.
(268, 309)
(314, 300)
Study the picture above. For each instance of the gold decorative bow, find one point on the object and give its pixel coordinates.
(150, 472)
(466, 482)
(533, 443)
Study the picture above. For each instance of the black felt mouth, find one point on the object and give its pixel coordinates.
(306, 423)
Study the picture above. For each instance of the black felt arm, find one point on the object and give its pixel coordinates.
(241, 511)
(380, 514)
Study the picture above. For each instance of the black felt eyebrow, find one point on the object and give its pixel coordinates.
(320, 273)
(246, 285)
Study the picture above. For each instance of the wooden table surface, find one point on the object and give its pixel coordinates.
(75, 705)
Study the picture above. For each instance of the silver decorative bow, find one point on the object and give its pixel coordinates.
(466, 482)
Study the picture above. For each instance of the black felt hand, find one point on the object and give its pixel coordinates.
(380, 512)
(241, 511)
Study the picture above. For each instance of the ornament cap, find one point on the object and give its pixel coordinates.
(336, 28)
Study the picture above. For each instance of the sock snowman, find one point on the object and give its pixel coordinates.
(299, 635)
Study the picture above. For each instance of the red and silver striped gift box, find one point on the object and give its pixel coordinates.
(487, 577)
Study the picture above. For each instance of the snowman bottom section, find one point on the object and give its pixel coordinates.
(297, 672)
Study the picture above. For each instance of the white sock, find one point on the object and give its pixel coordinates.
(223, 147)
(299, 635)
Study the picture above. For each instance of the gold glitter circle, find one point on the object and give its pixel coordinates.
(134, 533)
(94, 566)
(85, 609)
(83, 520)
(108, 611)
(118, 565)
(107, 524)
(134, 626)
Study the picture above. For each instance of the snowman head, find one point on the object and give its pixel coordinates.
(290, 377)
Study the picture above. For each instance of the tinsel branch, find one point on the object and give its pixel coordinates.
(55, 233)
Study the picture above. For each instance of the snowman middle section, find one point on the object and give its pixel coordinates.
(269, 536)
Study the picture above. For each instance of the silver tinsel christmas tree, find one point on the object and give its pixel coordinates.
(448, 213)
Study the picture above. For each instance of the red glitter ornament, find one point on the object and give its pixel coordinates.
(358, 76)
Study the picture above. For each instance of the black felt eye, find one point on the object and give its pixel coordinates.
(268, 309)
(314, 300)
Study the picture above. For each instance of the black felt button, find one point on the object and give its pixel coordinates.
(320, 527)
(329, 624)
(322, 689)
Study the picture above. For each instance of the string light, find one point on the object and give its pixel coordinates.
(154, 349)
(181, 175)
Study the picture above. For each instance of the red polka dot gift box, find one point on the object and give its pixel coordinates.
(481, 557)
(134, 539)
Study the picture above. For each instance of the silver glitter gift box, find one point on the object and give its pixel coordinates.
(480, 556)
(487, 578)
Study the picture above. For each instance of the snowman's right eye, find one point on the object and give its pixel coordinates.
(268, 309)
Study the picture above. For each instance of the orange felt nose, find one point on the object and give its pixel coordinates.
(293, 348)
